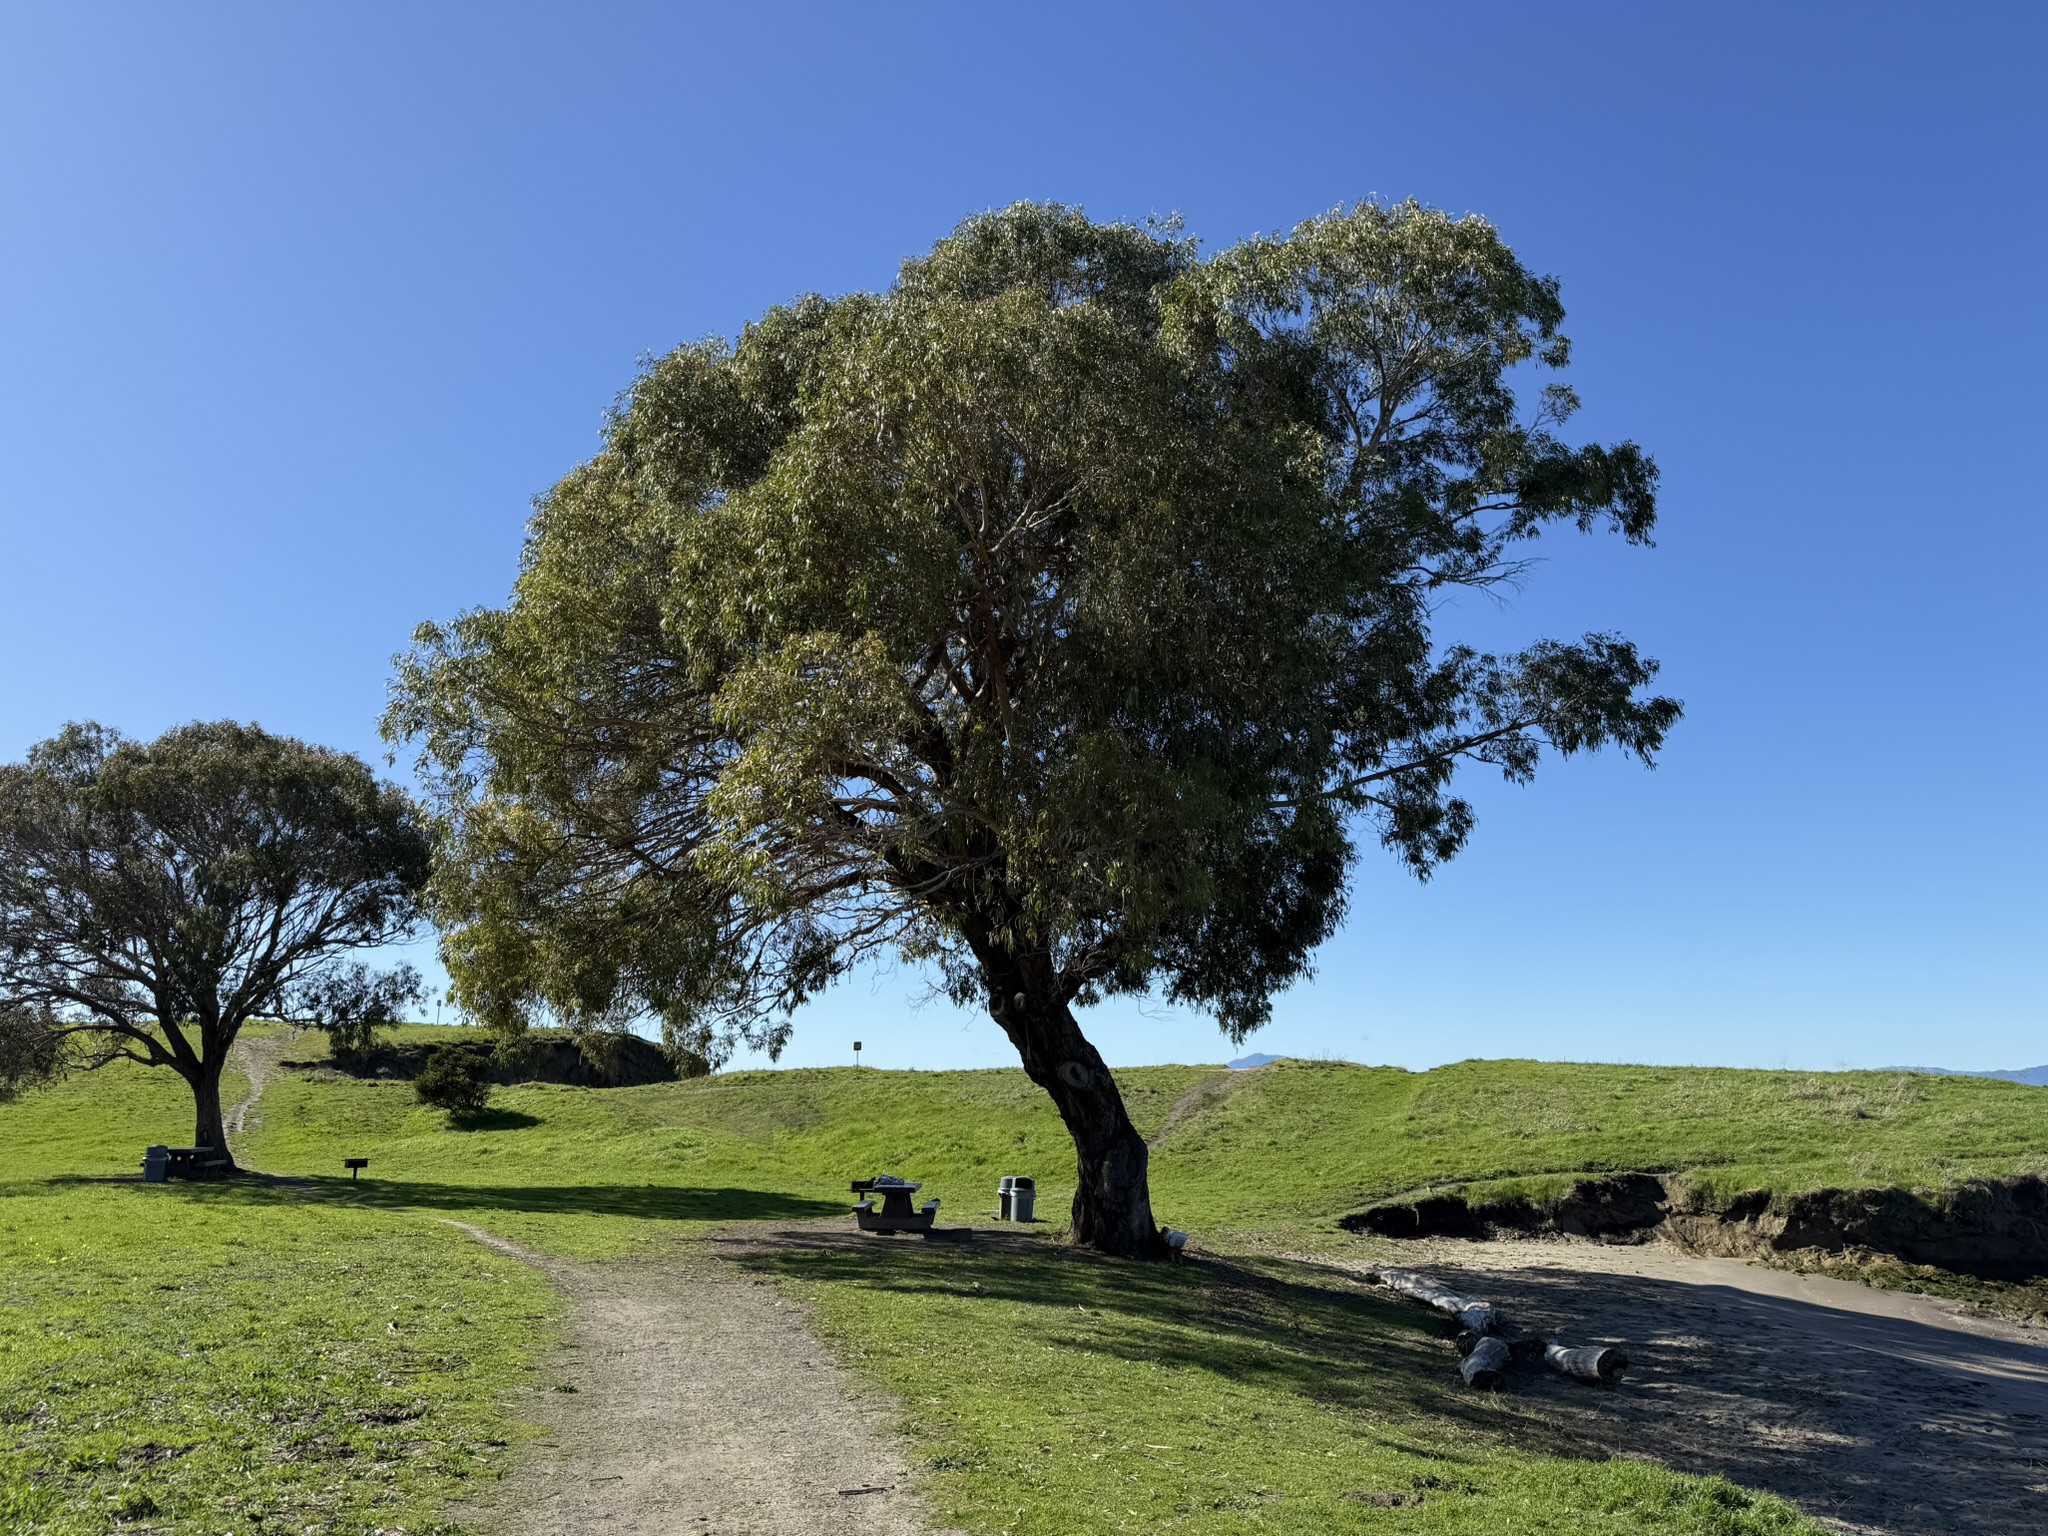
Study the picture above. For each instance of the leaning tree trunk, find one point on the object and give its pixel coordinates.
(209, 1125)
(1112, 1199)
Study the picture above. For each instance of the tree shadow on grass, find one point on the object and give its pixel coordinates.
(1286, 1325)
(650, 1202)
(493, 1120)
(1880, 1422)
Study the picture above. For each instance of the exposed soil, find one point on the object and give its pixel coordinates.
(256, 1057)
(1199, 1097)
(690, 1399)
(1986, 1227)
(1880, 1413)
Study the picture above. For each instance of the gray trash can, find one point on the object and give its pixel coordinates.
(1003, 1196)
(1023, 1196)
(156, 1164)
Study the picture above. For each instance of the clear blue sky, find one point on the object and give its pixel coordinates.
(299, 307)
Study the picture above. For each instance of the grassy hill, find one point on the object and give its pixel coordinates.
(327, 1357)
(216, 1358)
(1291, 1145)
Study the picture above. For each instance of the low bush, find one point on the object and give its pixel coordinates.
(456, 1080)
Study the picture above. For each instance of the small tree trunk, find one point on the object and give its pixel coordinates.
(1112, 1198)
(210, 1128)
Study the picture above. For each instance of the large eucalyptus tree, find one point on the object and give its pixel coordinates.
(1058, 618)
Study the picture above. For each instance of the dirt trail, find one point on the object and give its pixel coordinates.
(701, 1403)
(689, 1399)
(1876, 1411)
(1204, 1093)
(256, 1058)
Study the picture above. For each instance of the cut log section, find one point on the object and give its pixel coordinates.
(1490, 1345)
(1479, 1316)
(1523, 1346)
(1487, 1363)
(1587, 1363)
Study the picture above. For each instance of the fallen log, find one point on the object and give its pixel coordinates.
(1586, 1363)
(1479, 1316)
(1522, 1345)
(1487, 1363)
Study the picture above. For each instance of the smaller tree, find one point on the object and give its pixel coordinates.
(154, 898)
(456, 1080)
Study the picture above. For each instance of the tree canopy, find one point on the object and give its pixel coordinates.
(155, 897)
(1059, 618)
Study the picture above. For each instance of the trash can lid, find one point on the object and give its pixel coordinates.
(1018, 1181)
(1009, 1181)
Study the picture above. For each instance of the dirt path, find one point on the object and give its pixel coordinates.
(1201, 1095)
(1875, 1411)
(256, 1058)
(689, 1399)
(701, 1403)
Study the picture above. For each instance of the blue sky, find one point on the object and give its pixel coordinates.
(300, 306)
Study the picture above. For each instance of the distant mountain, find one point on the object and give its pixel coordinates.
(2033, 1077)
(1260, 1060)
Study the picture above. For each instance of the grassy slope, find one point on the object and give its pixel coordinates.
(1044, 1392)
(593, 1174)
(229, 1357)
(1339, 1137)
(1291, 1147)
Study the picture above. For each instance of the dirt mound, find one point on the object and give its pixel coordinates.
(591, 1061)
(1987, 1227)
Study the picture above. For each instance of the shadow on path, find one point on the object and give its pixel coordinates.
(1875, 1423)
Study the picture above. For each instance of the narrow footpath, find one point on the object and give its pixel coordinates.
(687, 1398)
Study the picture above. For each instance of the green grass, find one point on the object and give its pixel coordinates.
(1337, 1138)
(1291, 1148)
(331, 1358)
(1049, 1393)
(214, 1358)
(594, 1174)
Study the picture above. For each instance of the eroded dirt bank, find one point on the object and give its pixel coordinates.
(1986, 1227)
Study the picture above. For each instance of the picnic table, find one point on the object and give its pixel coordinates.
(187, 1162)
(895, 1214)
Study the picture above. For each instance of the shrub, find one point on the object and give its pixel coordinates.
(456, 1080)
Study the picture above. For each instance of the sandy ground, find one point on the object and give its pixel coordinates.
(1874, 1411)
(702, 1403)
